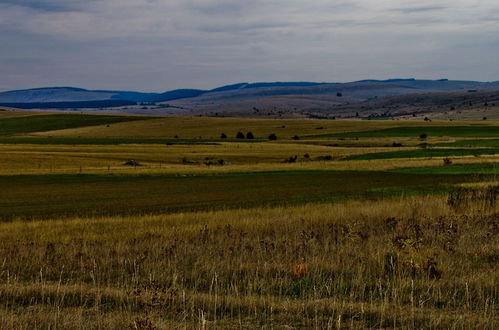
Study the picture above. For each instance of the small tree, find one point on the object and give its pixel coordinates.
(296, 137)
(272, 137)
(250, 136)
(223, 136)
(423, 136)
(240, 135)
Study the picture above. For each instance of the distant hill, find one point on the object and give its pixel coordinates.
(365, 88)
(69, 105)
(274, 99)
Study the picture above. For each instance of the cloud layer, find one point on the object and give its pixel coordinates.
(164, 44)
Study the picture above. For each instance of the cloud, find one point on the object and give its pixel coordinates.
(48, 5)
(410, 10)
(158, 44)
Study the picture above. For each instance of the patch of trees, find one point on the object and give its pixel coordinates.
(240, 135)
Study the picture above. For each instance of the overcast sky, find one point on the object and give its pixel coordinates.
(158, 45)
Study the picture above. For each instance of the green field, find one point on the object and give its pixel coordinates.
(41, 123)
(422, 153)
(91, 195)
(490, 168)
(491, 143)
(431, 131)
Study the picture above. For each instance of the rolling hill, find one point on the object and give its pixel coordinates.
(366, 99)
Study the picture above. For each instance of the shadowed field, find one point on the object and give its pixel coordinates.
(477, 130)
(40, 123)
(87, 195)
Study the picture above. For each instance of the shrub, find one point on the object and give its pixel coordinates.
(272, 137)
(423, 136)
(223, 136)
(447, 161)
(296, 137)
(250, 136)
(240, 135)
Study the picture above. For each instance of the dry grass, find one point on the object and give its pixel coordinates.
(239, 157)
(208, 128)
(404, 263)
(31, 158)
(12, 113)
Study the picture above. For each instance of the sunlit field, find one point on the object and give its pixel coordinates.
(163, 223)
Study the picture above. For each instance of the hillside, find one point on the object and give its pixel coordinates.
(406, 98)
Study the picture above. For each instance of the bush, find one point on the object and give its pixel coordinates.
(291, 159)
(240, 135)
(272, 137)
(223, 136)
(447, 161)
(250, 136)
(296, 137)
(423, 136)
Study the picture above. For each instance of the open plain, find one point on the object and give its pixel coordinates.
(181, 222)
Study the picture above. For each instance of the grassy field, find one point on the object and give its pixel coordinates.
(489, 143)
(425, 153)
(402, 263)
(87, 195)
(12, 114)
(477, 130)
(351, 225)
(485, 168)
(212, 128)
(40, 123)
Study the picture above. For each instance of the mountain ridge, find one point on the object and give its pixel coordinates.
(74, 94)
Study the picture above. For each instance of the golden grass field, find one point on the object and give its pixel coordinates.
(211, 128)
(21, 159)
(417, 254)
(401, 263)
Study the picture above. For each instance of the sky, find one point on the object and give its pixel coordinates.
(159, 45)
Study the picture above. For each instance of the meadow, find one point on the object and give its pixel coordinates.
(331, 224)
